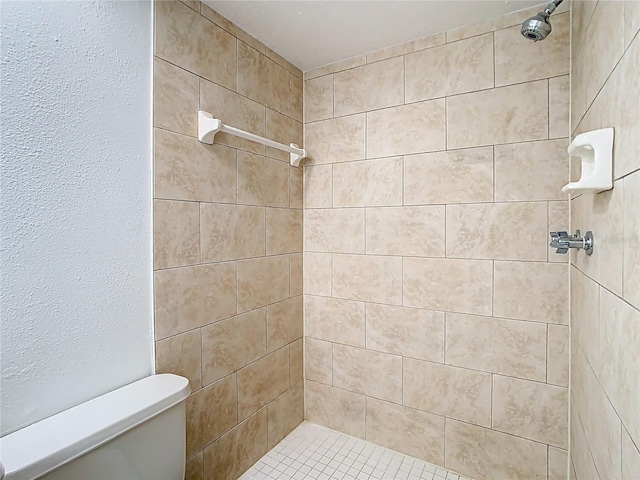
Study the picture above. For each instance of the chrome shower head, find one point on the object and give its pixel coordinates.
(538, 27)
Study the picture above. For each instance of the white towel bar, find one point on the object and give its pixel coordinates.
(209, 126)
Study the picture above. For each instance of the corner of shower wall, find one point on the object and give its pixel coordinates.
(227, 238)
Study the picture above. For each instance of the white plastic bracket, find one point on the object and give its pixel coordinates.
(595, 150)
(296, 158)
(208, 127)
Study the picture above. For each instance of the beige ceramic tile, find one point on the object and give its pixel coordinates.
(598, 416)
(192, 4)
(619, 336)
(231, 344)
(405, 48)
(175, 98)
(335, 408)
(504, 119)
(604, 215)
(558, 355)
(186, 169)
(230, 27)
(194, 467)
(318, 186)
(236, 111)
(410, 332)
(497, 345)
(188, 40)
(230, 232)
(531, 291)
(449, 177)
(530, 410)
(606, 34)
(211, 411)
(296, 362)
(317, 273)
(262, 381)
(467, 31)
(486, 231)
(334, 320)
(581, 459)
(262, 281)
(630, 457)
(321, 227)
(180, 355)
(449, 391)
(368, 183)
(336, 140)
(190, 297)
(296, 274)
(368, 278)
(318, 360)
(318, 99)
(262, 181)
(238, 449)
(463, 286)
(282, 129)
(546, 164)
(557, 459)
(406, 430)
(631, 21)
(284, 322)
(513, 55)
(285, 413)
(406, 231)
(558, 221)
(296, 97)
(262, 79)
(584, 297)
(631, 245)
(296, 184)
(482, 453)
(284, 63)
(284, 231)
(371, 373)
(559, 107)
(415, 128)
(369, 87)
(176, 234)
(336, 67)
(459, 67)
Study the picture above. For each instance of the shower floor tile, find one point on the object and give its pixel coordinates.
(315, 452)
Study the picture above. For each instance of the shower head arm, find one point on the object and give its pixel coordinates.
(551, 7)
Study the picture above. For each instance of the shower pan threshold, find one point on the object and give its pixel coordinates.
(315, 452)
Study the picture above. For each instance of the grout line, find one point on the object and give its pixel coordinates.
(549, 108)
(491, 402)
(493, 57)
(546, 356)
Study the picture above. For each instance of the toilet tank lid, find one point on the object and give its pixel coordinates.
(50, 443)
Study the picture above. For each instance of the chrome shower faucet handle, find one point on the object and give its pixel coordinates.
(562, 241)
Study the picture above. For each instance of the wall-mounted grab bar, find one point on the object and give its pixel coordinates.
(209, 126)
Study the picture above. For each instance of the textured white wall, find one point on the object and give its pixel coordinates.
(76, 256)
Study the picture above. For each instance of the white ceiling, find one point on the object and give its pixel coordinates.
(312, 33)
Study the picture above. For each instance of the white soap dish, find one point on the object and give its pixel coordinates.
(595, 150)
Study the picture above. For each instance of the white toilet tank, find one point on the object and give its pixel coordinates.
(133, 433)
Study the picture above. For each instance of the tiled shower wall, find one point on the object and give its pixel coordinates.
(436, 316)
(227, 238)
(605, 288)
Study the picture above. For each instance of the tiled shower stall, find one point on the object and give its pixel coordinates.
(398, 287)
